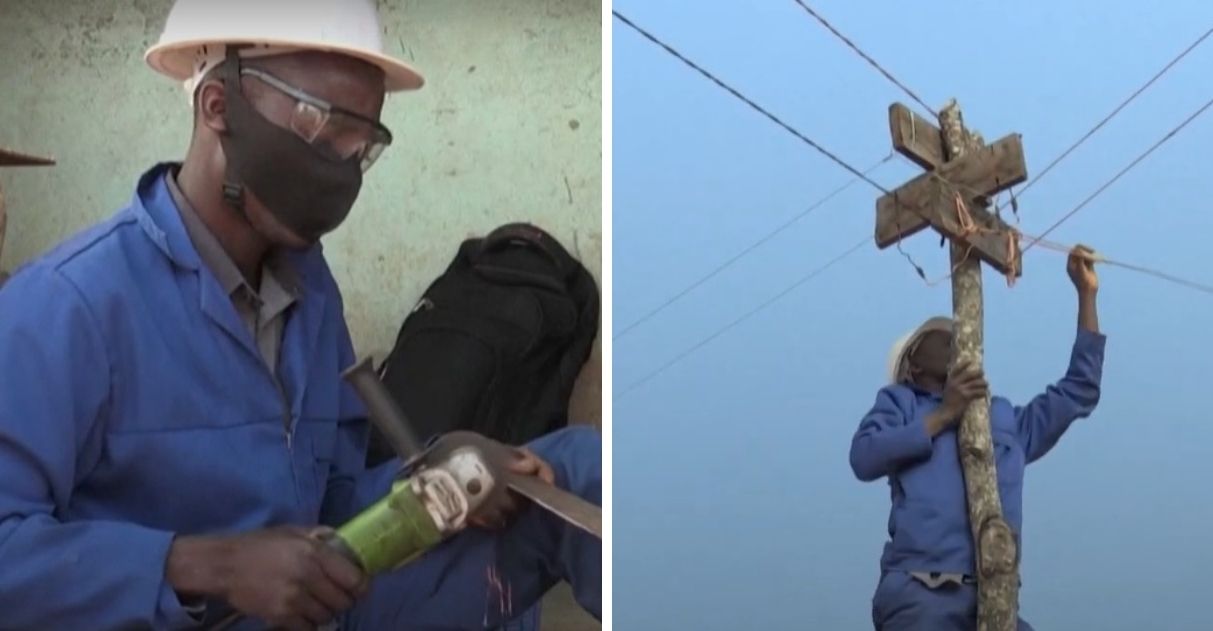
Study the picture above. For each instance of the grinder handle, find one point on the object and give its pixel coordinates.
(383, 410)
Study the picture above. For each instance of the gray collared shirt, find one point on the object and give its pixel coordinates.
(263, 310)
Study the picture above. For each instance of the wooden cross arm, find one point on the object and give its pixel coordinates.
(976, 176)
(915, 137)
(919, 140)
(988, 235)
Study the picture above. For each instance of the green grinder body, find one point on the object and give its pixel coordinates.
(391, 532)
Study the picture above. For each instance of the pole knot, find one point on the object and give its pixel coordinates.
(997, 549)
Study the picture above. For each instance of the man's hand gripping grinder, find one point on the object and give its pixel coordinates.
(461, 473)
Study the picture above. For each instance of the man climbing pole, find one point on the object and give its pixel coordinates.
(927, 578)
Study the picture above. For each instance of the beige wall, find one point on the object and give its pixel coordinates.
(508, 128)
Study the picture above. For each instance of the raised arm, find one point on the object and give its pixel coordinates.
(1044, 420)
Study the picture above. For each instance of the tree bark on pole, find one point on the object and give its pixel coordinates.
(994, 543)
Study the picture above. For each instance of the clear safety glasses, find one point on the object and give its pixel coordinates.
(334, 131)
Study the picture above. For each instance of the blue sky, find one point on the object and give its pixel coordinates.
(734, 505)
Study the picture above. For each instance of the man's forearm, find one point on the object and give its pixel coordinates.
(192, 569)
(1088, 313)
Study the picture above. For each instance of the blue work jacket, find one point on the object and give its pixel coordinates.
(929, 522)
(135, 406)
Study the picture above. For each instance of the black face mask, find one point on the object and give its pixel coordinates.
(306, 191)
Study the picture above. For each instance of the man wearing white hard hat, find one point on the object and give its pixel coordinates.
(909, 437)
(173, 421)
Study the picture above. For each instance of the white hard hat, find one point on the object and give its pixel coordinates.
(197, 33)
(899, 355)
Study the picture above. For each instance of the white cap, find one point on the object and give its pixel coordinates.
(898, 369)
(197, 33)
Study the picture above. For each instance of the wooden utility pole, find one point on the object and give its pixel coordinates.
(952, 197)
(9, 158)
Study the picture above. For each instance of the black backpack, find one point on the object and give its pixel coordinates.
(496, 343)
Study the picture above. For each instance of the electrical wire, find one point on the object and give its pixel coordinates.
(846, 40)
(1101, 259)
(1049, 167)
(745, 316)
(1116, 111)
(744, 252)
(758, 108)
(1104, 260)
(1171, 134)
(1050, 245)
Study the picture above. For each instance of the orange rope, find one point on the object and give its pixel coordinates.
(970, 227)
(967, 226)
(1013, 249)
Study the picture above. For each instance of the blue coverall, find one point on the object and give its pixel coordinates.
(928, 524)
(135, 406)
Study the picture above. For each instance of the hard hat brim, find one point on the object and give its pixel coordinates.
(175, 60)
(897, 356)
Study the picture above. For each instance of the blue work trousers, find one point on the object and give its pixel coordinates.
(903, 603)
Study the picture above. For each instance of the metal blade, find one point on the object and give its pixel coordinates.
(561, 503)
(386, 414)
